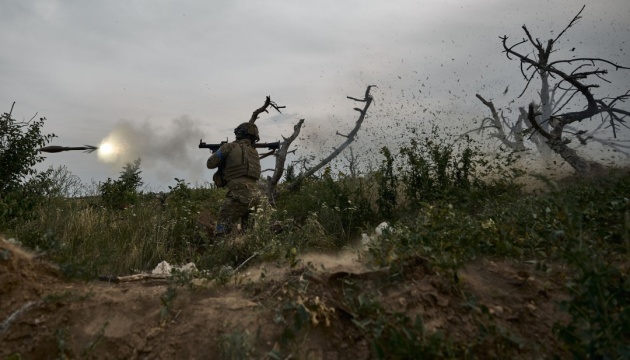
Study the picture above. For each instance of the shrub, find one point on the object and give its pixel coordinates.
(122, 193)
(342, 204)
(21, 186)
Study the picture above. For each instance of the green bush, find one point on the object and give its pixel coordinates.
(343, 205)
(184, 205)
(599, 307)
(434, 169)
(122, 193)
(21, 186)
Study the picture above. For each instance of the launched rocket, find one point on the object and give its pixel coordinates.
(55, 149)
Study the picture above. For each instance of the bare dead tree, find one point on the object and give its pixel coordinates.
(511, 135)
(350, 137)
(281, 157)
(553, 125)
(282, 153)
(516, 134)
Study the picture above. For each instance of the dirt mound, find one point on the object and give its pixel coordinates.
(496, 309)
(332, 307)
(22, 275)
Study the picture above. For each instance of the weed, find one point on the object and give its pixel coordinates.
(599, 308)
(493, 338)
(394, 336)
(236, 345)
(167, 304)
(61, 335)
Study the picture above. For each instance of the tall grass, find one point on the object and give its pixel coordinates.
(447, 203)
(86, 237)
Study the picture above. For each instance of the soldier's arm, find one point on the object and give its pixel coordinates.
(219, 156)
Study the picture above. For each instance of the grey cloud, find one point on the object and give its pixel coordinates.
(86, 65)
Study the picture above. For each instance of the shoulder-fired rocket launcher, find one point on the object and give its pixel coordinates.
(273, 146)
(215, 147)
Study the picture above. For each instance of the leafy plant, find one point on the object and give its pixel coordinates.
(394, 335)
(236, 345)
(167, 303)
(599, 308)
(21, 186)
(122, 193)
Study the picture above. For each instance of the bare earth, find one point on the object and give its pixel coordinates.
(44, 316)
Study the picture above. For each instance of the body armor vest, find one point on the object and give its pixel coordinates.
(242, 161)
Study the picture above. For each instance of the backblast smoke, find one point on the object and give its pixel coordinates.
(167, 151)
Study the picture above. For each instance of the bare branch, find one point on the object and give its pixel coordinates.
(263, 108)
(498, 121)
(532, 119)
(536, 44)
(527, 85)
(573, 22)
(566, 102)
(28, 122)
(282, 153)
(349, 139)
(617, 66)
(264, 155)
(478, 130)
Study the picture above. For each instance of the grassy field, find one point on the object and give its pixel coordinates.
(450, 207)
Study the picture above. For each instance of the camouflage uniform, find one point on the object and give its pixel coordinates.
(241, 170)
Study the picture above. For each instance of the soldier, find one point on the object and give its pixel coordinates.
(239, 171)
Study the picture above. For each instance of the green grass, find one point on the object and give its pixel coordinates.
(450, 216)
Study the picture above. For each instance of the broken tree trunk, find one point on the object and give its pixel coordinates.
(560, 145)
(281, 157)
(367, 99)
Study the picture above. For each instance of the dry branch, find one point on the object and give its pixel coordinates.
(367, 99)
(135, 277)
(281, 155)
(497, 123)
(263, 108)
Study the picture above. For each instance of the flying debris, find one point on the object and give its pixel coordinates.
(55, 149)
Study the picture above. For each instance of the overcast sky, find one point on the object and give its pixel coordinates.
(172, 72)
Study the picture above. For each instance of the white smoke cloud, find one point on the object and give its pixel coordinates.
(168, 151)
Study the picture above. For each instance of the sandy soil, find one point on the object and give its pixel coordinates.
(43, 315)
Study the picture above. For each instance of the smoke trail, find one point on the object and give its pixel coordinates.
(167, 151)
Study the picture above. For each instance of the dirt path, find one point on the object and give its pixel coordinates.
(44, 316)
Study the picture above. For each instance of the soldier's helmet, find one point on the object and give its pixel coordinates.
(247, 129)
